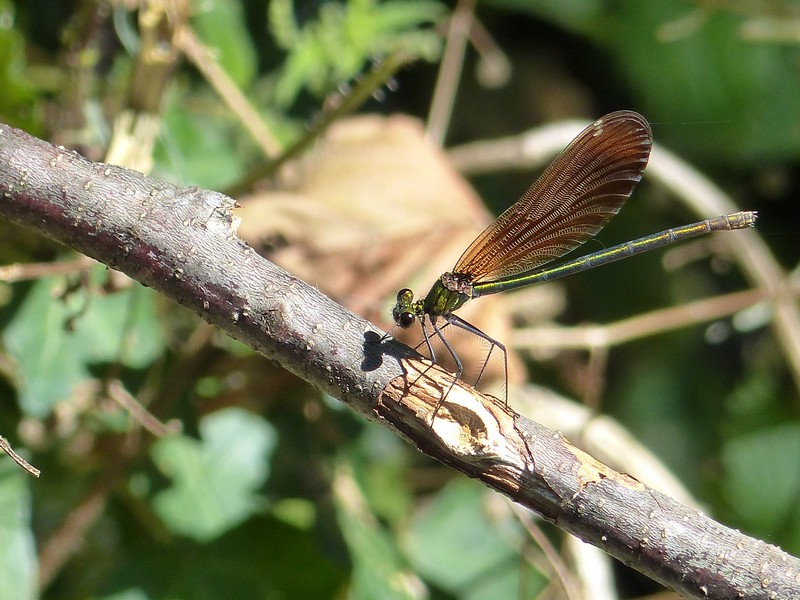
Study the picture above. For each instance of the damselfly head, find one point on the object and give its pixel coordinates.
(403, 311)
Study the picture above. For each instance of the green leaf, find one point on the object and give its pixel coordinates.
(282, 23)
(379, 571)
(222, 26)
(214, 480)
(762, 478)
(456, 544)
(53, 359)
(18, 565)
(198, 147)
(735, 92)
(380, 461)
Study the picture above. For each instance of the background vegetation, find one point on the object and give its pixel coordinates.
(178, 464)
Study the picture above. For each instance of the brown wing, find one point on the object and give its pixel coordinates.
(568, 204)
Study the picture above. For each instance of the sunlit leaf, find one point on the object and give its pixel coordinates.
(214, 479)
(457, 545)
(55, 341)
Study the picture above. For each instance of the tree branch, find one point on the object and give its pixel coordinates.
(183, 243)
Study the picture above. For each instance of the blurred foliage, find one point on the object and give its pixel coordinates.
(17, 551)
(272, 490)
(693, 64)
(332, 49)
(19, 100)
(214, 479)
(57, 333)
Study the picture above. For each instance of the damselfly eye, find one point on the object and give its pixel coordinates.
(406, 319)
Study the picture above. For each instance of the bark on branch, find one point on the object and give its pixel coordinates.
(183, 243)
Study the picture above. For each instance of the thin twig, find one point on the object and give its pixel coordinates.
(203, 58)
(26, 271)
(752, 254)
(68, 539)
(642, 325)
(444, 93)
(494, 67)
(141, 415)
(6, 447)
(559, 569)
